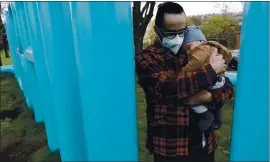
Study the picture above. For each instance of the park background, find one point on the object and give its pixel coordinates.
(23, 139)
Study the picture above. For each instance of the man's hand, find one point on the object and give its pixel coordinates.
(217, 62)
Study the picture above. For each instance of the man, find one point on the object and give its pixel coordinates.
(172, 134)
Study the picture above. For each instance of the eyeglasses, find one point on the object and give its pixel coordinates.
(172, 34)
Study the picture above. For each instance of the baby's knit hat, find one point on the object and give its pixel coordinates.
(194, 33)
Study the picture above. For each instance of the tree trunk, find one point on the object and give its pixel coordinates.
(4, 36)
(1, 61)
(141, 19)
(5, 44)
(138, 41)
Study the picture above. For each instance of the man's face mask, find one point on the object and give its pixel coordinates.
(171, 40)
(173, 44)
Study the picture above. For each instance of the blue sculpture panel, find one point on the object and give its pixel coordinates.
(44, 102)
(250, 130)
(57, 37)
(105, 61)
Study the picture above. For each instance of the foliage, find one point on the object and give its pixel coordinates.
(189, 21)
(3, 32)
(221, 26)
(197, 20)
(5, 60)
(151, 36)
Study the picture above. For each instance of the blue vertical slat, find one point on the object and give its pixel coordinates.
(24, 34)
(22, 44)
(104, 53)
(11, 36)
(29, 66)
(58, 45)
(45, 99)
(250, 131)
(23, 76)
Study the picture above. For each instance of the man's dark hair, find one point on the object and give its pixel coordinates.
(167, 7)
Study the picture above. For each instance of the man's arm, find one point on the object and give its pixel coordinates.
(171, 85)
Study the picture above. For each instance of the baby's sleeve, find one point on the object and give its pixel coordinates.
(198, 58)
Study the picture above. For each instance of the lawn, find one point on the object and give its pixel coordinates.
(24, 139)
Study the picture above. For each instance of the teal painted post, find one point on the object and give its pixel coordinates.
(55, 23)
(105, 60)
(250, 130)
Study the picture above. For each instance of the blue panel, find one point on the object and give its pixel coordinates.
(7, 69)
(11, 35)
(16, 27)
(17, 48)
(22, 24)
(29, 67)
(59, 54)
(104, 53)
(45, 100)
(232, 75)
(250, 133)
(22, 43)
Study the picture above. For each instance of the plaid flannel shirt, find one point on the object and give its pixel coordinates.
(165, 89)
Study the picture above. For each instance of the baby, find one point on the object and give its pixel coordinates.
(199, 51)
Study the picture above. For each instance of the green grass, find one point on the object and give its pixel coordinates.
(5, 61)
(24, 139)
(21, 138)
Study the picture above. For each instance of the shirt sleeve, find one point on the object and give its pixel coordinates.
(221, 95)
(198, 58)
(169, 84)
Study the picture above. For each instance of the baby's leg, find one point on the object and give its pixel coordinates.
(218, 119)
(206, 120)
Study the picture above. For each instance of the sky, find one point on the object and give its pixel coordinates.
(197, 8)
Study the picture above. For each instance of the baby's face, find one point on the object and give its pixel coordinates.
(191, 45)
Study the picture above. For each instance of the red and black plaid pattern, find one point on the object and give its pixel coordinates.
(165, 90)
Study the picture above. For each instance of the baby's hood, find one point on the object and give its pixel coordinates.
(227, 54)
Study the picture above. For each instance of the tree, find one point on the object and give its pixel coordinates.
(196, 20)
(221, 26)
(3, 30)
(189, 21)
(141, 19)
(223, 6)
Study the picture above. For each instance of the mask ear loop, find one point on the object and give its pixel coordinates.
(158, 34)
(186, 32)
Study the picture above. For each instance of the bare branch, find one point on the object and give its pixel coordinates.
(141, 19)
(145, 7)
(148, 17)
